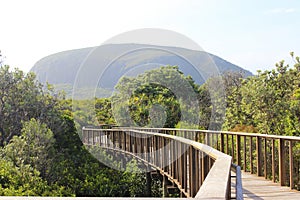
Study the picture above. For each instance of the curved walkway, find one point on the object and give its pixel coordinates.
(255, 187)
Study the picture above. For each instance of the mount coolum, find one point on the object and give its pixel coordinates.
(62, 69)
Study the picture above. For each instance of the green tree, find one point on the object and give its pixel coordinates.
(104, 111)
(33, 147)
(22, 98)
(267, 102)
(25, 181)
(156, 98)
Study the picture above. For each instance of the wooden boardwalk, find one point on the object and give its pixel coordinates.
(255, 187)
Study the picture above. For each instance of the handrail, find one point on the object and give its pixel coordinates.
(275, 157)
(213, 175)
(285, 137)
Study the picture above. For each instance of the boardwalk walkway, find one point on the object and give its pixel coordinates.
(259, 188)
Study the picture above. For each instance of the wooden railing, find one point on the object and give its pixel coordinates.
(197, 169)
(275, 157)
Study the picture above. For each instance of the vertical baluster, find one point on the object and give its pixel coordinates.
(196, 136)
(217, 140)
(258, 156)
(291, 164)
(227, 144)
(135, 143)
(113, 138)
(177, 167)
(201, 167)
(192, 175)
(100, 139)
(197, 171)
(149, 149)
(222, 142)
(251, 156)
(130, 141)
(205, 166)
(124, 141)
(238, 150)
(281, 162)
(93, 137)
(180, 164)
(185, 169)
(245, 153)
(119, 138)
(157, 150)
(265, 159)
(273, 160)
(232, 148)
(141, 153)
(167, 158)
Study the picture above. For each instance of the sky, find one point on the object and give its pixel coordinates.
(251, 34)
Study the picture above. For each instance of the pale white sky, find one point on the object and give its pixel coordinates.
(252, 34)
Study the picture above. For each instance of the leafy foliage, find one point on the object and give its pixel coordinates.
(268, 102)
(41, 153)
(156, 98)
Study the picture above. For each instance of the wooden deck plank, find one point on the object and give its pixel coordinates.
(259, 188)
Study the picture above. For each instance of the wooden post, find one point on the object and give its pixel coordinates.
(175, 160)
(148, 184)
(197, 170)
(205, 165)
(191, 172)
(245, 154)
(265, 159)
(281, 162)
(273, 161)
(227, 144)
(130, 146)
(232, 148)
(165, 188)
(258, 156)
(238, 150)
(148, 148)
(291, 164)
(120, 135)
(185, 169)
(251, 156)
(93, 138)
(180, 164)
(222, 143)
(100, 137)
(123, 140)
(135, 145)
(156, 150)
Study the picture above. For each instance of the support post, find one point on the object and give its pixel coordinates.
(238, 150)
(258, 156)
(281, 163)
(265, 159)
(245, 153)
(222, 143)
(165, 188)
(148, 184)
(291, 164)
(273, 161)
(251, 156)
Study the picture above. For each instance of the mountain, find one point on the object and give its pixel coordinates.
(61, 69)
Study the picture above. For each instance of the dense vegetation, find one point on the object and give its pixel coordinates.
(41, 153)
(266, 103)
